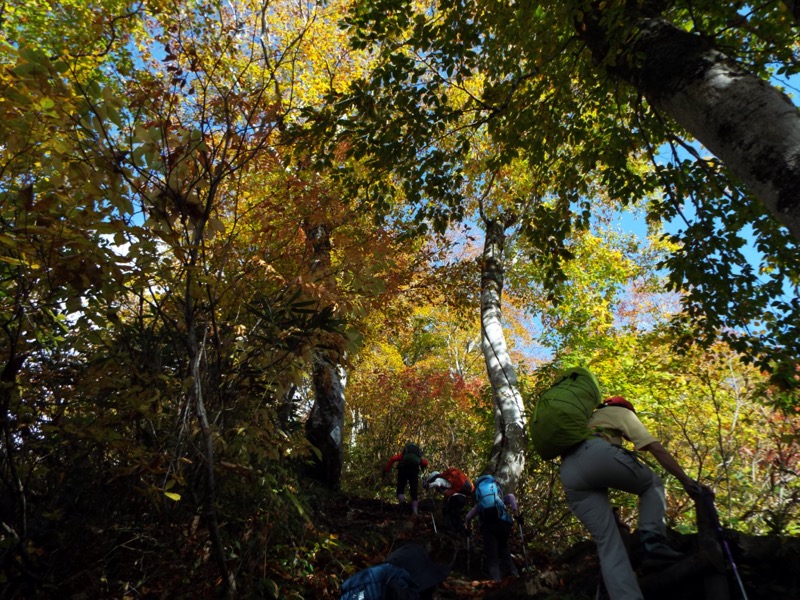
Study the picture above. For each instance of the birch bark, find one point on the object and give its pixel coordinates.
(508, 451)
(748, 124)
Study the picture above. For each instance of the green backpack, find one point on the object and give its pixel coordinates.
(412, 455)
(562, 412)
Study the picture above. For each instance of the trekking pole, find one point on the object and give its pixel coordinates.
(468, 569)
(530, 586)
(714, 516)
(469, 538)
(433, 520)
(522, 538)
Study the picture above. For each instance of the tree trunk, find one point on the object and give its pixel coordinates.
(748, 124)
(13, 495)
(210, 496)
(195, 398)
(794, 8)
(286, 409)
(325, 425)
(508, 458)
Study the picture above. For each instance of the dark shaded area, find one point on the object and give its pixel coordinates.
(341, 534)
(368, 530)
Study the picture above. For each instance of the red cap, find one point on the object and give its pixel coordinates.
(618, 401)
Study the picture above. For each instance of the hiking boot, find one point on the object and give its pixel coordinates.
(656, 547)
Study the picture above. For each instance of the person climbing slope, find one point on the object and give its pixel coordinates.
(408, 573)
(495, 525)
(409, 462)
(456, 487)
(572, 424)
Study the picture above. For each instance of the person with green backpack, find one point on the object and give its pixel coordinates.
(571, 423)
(409, 462)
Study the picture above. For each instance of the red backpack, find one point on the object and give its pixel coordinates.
(459, 483)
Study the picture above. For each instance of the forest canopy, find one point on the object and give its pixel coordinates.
(248, 249)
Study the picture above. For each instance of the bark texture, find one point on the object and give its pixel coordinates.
(508, 459)
(748, 124)
(325, 425)
(324, 428)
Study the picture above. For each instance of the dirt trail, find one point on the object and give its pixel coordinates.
(373, 528)
(368, 530)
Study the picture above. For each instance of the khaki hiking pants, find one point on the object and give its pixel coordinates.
(586, 474)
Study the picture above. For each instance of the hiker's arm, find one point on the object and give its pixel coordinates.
(511, 501)
(471, 515)
(437, 483)
(392, 460)
(666, 460)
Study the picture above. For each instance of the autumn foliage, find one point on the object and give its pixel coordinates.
(203, 201)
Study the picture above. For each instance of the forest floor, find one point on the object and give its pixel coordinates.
(366, 531)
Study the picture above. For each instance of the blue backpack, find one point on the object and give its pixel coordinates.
(381, 582)
(489, 498)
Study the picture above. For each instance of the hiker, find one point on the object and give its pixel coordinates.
(408, 573)
(409, 462)
(456, 487)
(570, 422)
(495, 525)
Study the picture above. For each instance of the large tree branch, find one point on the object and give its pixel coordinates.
(747, 123)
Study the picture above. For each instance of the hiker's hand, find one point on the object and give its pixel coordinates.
(520, 521)
(696, 489)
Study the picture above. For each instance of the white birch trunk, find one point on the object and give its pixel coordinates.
(508, 450)
(747, 123)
